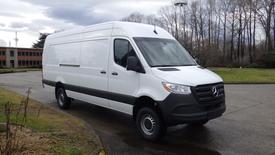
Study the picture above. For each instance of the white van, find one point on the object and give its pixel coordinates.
(136, 69)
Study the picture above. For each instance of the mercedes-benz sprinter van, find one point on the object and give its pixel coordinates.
(136, 69)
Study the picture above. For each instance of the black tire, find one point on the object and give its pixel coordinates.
(63, 101)
(199, 123)
(150, 125)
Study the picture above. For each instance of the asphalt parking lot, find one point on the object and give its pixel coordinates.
(247, 127)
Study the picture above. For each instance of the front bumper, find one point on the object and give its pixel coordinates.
(180, 109)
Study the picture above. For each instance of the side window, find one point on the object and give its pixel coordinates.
(122, 49)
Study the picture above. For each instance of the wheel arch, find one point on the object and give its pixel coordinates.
(145, 101)
(58, 85)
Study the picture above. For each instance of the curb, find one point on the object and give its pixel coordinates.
(232, 83)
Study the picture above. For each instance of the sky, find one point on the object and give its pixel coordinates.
(31, 17)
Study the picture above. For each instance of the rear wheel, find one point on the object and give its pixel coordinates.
(149, 124)
(63, 101)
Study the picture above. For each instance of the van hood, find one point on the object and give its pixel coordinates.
(189, 75)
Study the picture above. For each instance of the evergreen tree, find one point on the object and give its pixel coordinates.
(40, 42)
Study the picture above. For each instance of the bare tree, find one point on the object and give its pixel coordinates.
(226, 29)
(265, 15)
(134, 17)
(169, 19)
(225, 7)
(210, 8)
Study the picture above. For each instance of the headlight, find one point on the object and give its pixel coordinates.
(176, 88)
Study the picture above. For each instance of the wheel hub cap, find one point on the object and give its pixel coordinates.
(61, 99)
(148, 124)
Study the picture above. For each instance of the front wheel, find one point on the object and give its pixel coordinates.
(63, 101)
(149, 124)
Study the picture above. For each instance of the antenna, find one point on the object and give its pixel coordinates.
(16, 39)
(155, 29)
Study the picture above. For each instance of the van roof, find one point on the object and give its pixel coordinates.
(118, 28)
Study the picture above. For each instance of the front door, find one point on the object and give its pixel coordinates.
(123, 84)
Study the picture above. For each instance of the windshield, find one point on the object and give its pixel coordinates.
(164, 52)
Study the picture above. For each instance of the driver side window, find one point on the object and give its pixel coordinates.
(122, 49)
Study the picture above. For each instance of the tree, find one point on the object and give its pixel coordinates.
(210, 10)
(134, 17)
(218, 31)
(225, 7)
(265, 16)
(41, 41)
(169, 17)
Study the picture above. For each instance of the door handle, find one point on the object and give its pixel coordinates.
(103, 72)
(115, 73)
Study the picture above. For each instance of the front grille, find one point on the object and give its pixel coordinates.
(204, 94)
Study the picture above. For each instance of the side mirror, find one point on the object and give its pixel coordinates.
(134, 65)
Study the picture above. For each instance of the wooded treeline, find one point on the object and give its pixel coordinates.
(220, 32)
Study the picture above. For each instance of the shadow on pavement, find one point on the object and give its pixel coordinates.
(118, 134)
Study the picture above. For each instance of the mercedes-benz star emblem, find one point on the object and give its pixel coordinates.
(215, 92)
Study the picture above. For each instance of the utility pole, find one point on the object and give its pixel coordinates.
(179, 4)
(16, 39)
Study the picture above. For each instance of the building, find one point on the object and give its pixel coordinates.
(11, 57)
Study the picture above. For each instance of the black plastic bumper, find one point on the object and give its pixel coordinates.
(181, 109)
